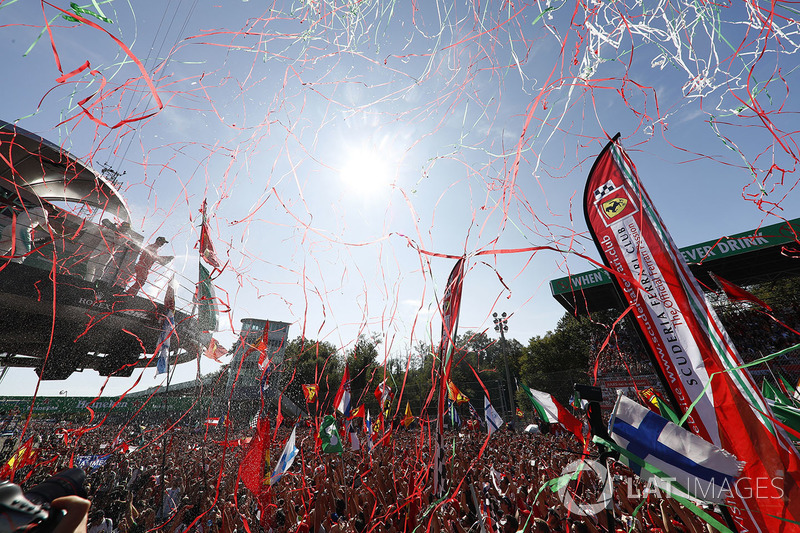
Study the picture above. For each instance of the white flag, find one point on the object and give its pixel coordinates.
(695, 465)
(493, 420)
(286, 460)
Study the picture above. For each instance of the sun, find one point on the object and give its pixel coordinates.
(366, 171)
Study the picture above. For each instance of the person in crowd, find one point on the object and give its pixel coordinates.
(99, 522)
(386, 490)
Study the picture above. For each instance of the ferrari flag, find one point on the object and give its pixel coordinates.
(310, 392)
(689, 344)
(454, 394)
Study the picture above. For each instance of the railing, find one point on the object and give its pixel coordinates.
(103, 254)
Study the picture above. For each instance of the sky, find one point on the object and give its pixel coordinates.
(348, 150)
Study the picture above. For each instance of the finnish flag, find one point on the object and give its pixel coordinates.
(286, 459)
(493, 420)
(691, 464)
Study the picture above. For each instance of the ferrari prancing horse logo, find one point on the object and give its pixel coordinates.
(614, 207)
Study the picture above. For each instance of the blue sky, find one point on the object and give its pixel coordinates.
(276, 115)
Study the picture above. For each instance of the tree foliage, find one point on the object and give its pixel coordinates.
(307, 362)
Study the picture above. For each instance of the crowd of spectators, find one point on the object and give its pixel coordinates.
(187, 479)
(754, 334)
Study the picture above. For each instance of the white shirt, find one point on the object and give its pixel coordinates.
(106, 526)
(27, 221)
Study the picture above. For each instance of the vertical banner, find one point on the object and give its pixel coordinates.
(690, 345)
(206, 301)
(450, 307)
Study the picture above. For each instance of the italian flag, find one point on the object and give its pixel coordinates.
(553, 412)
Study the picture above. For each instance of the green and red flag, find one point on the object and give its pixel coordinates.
(206, 300)
(689, 345)
(552, 412)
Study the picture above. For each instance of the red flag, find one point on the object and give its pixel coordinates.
(451, 305)
(736, 293)
(215, 351)
(24, 456)
(454, 394)
(384, 394)
(342, 399)
(651, 400)
(689, 344)
(254, 470)
(310, 392)
(358, 412)
(206, 247)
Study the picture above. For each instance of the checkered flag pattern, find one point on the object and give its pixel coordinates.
(604, 189)
(439, 473)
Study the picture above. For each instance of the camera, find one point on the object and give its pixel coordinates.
(30, 511)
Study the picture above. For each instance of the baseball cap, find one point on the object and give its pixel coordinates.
(161, 240)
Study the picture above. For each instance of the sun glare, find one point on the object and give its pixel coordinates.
(366, 171)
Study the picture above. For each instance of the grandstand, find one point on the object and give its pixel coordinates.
(760, 256)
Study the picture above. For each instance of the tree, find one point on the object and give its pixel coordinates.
(557, 360)
(363, 367)
(307, 361)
